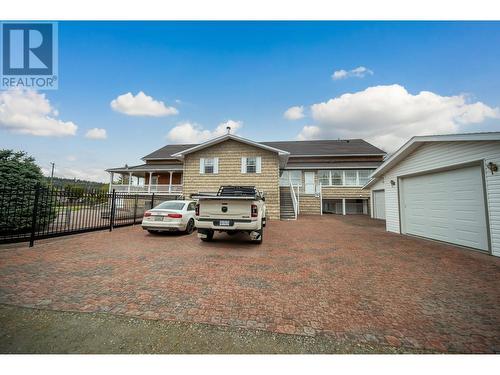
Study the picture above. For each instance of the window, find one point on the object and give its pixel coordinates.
(169, 205)
(294, 176)
(364, 176)
(337, 178)
(351, 177)
(191, 206)
(209, 165)
(348, 177)
(324, 178)
(251, 165)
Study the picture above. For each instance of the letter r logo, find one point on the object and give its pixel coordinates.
(27, 48)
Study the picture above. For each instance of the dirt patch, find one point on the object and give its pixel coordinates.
(25, 330)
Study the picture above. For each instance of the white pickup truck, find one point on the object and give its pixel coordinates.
(233, 209)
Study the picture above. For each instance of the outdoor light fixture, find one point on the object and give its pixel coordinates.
(393, 183)
(492, 167)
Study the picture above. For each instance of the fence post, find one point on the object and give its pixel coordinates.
(135, 208)
(112, 213)
(152, 201)
(35, 213)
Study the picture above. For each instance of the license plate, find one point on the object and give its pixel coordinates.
(224, 223)
(158, 218)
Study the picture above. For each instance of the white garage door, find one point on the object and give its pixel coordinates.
(379, 204)
(446, 206)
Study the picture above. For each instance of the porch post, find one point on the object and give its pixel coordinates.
(343, 206)
(129, 180)
(111, 178)
(149, 184)
(170, 182)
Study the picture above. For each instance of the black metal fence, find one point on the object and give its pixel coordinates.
(40, 212)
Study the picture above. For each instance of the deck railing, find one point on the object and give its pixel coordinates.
(154, 188)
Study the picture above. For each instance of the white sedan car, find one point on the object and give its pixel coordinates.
(170, 216)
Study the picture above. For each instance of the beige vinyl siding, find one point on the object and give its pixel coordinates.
(441, 155)
(230, 153)
(335, 192)
(309, 205)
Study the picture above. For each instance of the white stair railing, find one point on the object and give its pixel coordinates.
(294, 198)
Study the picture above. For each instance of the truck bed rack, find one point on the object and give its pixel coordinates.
(231, 192)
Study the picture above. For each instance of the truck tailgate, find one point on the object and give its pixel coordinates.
(225, 208)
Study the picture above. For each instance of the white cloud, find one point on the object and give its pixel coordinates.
(294, 113)
(28, 112)
(193, 133)
(141, 105)
(389, 115)
(96, 133)
(71, 158)
(358, 72)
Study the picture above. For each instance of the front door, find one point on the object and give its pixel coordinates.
(310, 186)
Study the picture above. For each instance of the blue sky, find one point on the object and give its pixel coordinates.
(250, 73)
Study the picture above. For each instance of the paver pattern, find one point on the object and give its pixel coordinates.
(341, 276)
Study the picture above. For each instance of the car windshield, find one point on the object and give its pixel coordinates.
(170, 205)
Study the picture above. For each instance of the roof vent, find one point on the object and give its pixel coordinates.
(228, 128)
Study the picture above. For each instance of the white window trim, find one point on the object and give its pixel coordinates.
(330, 178)
(258, 164)
(215, 164)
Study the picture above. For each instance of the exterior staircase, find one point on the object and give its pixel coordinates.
(286, 204)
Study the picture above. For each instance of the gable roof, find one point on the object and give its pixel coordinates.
(282, 155)
(417, 141)
(226, 137)
(294, 148)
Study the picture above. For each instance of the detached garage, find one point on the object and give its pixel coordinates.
(445, 188)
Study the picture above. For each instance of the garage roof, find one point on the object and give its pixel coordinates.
(417, 141)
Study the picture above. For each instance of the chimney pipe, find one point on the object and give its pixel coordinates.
(228, 128)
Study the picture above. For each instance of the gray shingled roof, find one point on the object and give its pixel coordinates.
(167, 151)
(295, 148)
(327, 147)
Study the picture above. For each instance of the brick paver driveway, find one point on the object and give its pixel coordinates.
(342, 276)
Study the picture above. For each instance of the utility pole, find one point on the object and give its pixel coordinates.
(52, 172)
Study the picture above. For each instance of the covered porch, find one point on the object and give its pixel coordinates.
(147, 178)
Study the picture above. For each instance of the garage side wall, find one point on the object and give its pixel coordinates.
(230, 153)
(441, 155)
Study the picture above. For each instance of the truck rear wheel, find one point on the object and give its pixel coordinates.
(261, 234)
(209, 236)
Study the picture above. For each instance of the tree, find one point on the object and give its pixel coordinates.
(18, 170)
(19, 179)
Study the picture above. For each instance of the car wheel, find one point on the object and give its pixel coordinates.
(210, 236)
(190, 226)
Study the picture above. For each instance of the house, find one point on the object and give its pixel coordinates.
(297, 177)
(444, 187)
